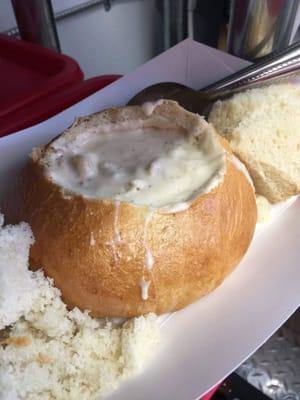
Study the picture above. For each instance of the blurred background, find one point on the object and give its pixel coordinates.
(137, 30)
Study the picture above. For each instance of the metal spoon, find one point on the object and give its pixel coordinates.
(273, 68)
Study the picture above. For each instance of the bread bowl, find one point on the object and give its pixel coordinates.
(140, 243)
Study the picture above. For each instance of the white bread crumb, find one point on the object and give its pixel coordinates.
(70, 355)
(263, 209)
(16, 282)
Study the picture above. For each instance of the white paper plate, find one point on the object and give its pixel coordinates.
(210, 338)
(206, 341)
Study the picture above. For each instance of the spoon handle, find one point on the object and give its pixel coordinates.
(273, 68)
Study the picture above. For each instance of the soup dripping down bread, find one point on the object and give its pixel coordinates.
(137, 209)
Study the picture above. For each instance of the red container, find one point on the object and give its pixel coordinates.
(37, 83)
(29, 72)
(47, 106)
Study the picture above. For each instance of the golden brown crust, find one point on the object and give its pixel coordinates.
(194, 250)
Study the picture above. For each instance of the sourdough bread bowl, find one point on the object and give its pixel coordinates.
(137, 210)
